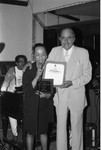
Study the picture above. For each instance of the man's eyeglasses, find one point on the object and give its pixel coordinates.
(62, 38)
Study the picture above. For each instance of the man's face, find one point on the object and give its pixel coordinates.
(21, 63)
(40, 54)
(67, 38)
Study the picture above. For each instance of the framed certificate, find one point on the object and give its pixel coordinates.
(56, 71)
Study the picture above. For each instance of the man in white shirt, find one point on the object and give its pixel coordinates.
(13, 84)
(70, 96)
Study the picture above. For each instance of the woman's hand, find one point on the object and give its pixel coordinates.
(2, 93)
(29, 64)
(43, 95)
(39, 73)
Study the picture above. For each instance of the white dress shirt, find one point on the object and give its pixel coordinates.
(67, 53)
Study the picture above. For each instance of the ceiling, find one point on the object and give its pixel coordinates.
(91, 9)
(88, 9)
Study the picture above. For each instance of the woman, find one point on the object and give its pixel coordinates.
(37, 107)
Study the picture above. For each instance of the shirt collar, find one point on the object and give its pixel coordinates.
(69, 51)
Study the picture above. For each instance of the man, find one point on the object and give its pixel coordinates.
(71, 94)
(13, 83)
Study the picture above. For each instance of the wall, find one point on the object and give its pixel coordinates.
(37, 31)
(87, 35)
(15, 31)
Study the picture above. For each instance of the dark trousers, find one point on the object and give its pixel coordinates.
(5, 121)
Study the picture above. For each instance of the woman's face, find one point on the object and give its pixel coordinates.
(40, 54)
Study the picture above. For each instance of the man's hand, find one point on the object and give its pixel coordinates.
(66, 84)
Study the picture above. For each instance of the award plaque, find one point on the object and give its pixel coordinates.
(45, 86)
(56, 71)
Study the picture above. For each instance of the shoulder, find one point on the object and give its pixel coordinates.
(81, 50)
(55, 50)
(29, 68)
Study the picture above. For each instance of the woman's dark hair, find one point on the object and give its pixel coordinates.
(20, 56)
(38, 45)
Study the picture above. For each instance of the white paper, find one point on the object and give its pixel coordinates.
(55, 71)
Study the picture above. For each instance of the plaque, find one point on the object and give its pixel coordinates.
(56, 71)
(45, 86)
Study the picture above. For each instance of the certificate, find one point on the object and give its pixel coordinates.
(56, 71)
